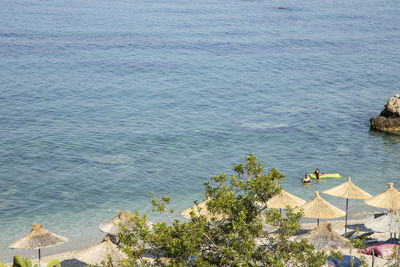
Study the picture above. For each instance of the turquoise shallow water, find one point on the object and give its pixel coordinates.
(102, 102)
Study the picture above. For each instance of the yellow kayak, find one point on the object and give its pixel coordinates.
(326, 175)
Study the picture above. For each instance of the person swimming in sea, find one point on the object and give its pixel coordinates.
(317, 173)
(306, 179)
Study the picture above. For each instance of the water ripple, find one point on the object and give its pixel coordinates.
(116, 100)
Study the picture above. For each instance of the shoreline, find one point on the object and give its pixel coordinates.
(71, 246)
(68, 250)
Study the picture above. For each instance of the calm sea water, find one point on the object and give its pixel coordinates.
(103, 101)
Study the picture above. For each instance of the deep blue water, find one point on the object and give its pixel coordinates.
(103, 101)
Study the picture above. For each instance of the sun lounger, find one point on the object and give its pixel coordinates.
(392, 241)
(364, 235)
(371, 241)
(73, 263)
(349, 234)
(377, 215)
(352, 235)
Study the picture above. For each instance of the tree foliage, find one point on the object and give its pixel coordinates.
(239, 239)
(18, 261)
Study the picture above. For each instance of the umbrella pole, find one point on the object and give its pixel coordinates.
(373, 257)
(39, 257)
(347, 207)
(317, 221)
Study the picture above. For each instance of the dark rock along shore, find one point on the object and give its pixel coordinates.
(389, 119)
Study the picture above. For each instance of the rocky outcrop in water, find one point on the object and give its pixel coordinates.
(389, 119)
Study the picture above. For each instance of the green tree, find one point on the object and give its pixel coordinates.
(22, 262)
(239, 239)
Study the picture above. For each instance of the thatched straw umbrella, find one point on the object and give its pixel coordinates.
(325, 238)
(38, 238)
(318, 208)
(201, 209)
(100, 252)
(284, 199)
(113, 225)
(347, 190)
(390, 199)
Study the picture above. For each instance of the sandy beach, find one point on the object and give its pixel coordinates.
(338, 226)
(67, 253)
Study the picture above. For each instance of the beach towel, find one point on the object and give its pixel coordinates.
(381, 250)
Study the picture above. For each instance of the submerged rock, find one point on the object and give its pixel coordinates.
(389, 119)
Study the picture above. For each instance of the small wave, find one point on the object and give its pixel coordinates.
(263, 125)
(112, 159)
